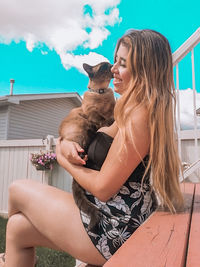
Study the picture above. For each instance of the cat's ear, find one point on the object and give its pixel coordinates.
(105, 66)
(88, 69)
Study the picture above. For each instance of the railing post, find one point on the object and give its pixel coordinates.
(46, 176)
(49, 142)
(178, 121)
(194, 105)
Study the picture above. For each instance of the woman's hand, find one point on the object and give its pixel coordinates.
(84, 176)
(69, 150)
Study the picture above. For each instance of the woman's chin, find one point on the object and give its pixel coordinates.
(118, 90)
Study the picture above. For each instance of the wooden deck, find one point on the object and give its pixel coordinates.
(165, 240)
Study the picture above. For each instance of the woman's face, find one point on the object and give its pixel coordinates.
(120, 71)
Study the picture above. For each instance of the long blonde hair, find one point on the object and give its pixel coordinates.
(150, 62)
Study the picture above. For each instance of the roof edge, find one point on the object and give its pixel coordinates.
(7, 99)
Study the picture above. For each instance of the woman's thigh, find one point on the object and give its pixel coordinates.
(55, 215)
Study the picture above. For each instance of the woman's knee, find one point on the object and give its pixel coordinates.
(18, 195)
(15, 187)
(15, 190)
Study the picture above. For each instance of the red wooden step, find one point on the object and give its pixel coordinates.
(193, 257)
(158, 242)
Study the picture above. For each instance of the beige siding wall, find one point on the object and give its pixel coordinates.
(3, 122)
(38, 118)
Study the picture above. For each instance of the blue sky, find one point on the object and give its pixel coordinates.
(44, 43)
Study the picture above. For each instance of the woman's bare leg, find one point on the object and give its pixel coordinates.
(50, 218)
(21, 238)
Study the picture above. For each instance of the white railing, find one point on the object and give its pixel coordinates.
(186, 47)
(15, 164)
(194, 134)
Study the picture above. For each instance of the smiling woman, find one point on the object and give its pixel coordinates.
(127, 165)
(122, 74)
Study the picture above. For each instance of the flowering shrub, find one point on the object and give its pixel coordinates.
(43, 160)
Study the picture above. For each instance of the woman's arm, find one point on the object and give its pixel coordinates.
(117, 167)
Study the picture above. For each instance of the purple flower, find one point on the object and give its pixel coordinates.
(43, 159)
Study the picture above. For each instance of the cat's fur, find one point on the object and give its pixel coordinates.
(82, 123)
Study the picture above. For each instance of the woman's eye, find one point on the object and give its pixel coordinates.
(123, 65)
(120, 62)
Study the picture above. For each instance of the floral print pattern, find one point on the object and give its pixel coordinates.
(121, 216)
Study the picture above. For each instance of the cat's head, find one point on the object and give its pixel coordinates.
(99, 72)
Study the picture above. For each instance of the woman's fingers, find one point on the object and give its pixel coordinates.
(70, 150)
(78, 147)
(75, 157)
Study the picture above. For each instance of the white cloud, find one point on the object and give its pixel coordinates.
(30, 41)
(61, 25)
(96, 37)
(44, 52)
(187, 110)
(77, 61)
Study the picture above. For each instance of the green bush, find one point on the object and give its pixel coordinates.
(47, 257)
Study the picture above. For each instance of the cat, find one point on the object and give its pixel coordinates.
(82, 123)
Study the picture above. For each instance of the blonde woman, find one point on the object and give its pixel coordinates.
(132, 160)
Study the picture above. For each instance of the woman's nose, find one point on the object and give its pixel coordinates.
(114, 68)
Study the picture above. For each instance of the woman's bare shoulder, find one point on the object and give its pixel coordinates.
(111, 130)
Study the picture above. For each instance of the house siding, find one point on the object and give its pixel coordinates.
(3, 123)
(35, 119)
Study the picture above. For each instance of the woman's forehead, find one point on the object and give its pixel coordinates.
(122, 51)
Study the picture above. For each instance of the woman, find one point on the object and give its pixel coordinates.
(134, 158)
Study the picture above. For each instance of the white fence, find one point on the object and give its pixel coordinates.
(15, 164)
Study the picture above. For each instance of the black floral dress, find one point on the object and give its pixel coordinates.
(124, 212)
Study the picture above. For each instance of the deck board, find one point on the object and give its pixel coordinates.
(193, 257)
(151, 246)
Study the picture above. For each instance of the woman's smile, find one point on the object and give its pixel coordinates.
(117, 81)
(120, 70)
